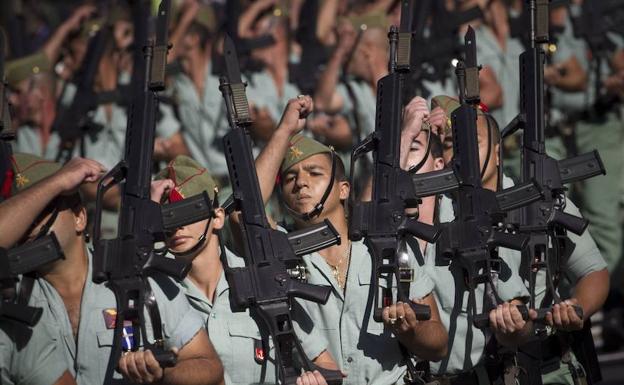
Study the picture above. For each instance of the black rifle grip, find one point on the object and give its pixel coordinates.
(481, 321)
(166, 359)
(332, 377)
(309, 292)
(423, 312)
(541, 313)
(422, 230)
(570, 222)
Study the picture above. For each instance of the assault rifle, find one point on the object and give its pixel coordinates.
(127, 260)
(22, 260)
(382, 221)
(545, 221)
(435, 44)
(76, 120)
(270, 279)
(470, 242)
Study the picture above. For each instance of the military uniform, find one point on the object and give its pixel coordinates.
(263, 93)
(87, 354)
(29, 356)
(584, 260)
(366, 351)
(465, 355)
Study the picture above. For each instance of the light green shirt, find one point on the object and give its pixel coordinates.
(505, 65)
(204, 120)
(28, 140)
(509, 286)
(235, 335)
(363, 349)
(88, 354)
(262, 93)
(366, 102)
(28, 356)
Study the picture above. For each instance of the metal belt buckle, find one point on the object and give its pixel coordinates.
(406, 274)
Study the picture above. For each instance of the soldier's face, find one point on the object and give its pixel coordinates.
(186, 237)
(418, 151)
(305, 183)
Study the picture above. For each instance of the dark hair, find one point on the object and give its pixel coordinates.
(204, 33)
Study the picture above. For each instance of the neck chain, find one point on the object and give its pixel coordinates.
(336, 268)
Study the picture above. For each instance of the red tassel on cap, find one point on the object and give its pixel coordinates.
(483, 107)
(175, 196)
(5, 191)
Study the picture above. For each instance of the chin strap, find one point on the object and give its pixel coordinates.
(318, 208)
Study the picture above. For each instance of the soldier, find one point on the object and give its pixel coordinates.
(235, 335)
(465, 362)
(30, 356)
(585, 269)
(368, 352)
(81, 312)
(200, 106)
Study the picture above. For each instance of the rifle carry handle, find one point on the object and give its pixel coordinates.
(166, 359)
(541, 313)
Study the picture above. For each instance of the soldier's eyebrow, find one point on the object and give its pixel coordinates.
(313, 167)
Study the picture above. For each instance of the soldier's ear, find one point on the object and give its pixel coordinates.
(438, 163)
(80, 219)
(219, 219)
(344, 189)
(496, 154)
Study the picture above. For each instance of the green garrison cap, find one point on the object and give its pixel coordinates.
(29, 169)
(368, 20)
(301, 147)
(23, 68)
(206, 18)
(190, 179)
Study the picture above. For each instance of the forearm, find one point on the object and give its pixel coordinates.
(428, 340)
(18, 213)
(327, 83)
(491, 91)
(338, 133)
(574, 77)
(591, 292)
(269, 161)
(245, 22)
(326, 20)
(194, 371)
(407, 137)
(52, 47)
(177, 35)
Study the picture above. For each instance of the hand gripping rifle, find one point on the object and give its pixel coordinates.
(270, 279)
(21, 260)
(76, 120)
(545, 221)
(470, 242)
(127, 260)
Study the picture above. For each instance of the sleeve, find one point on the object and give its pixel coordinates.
(585, 257)
(510, 285)
(39, 362)
(312, 340)
(168, 125)
(179, 320)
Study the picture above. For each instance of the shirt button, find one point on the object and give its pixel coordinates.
(350, 359)
(213, 315)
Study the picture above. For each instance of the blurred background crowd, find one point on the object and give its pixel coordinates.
(69, 65)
